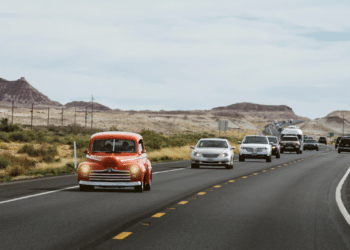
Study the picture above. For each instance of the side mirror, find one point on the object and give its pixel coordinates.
(144, 151)
(192, 147)
(233, 147)
(239, 142)
(85, 152)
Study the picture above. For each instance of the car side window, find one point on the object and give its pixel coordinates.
(140, 147)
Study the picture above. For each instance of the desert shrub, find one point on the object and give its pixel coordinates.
(5, 178)
(42, 151)
(15, 171)
(48, 159)
(19, 136)
(4, 126)
(81, 143)
(4, 146)
(29, 150)
(113, 128)
(4, 162)
(4, 136)
(40, 136)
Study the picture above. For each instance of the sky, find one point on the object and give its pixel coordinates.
(181, 55)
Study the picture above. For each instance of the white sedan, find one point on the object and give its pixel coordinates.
(255, 147)
(212, 152)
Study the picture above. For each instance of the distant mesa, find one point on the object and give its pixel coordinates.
(83, 105)
(22, 92)
(247, 109)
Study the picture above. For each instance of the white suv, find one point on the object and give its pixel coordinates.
(255, 147)
(212, 152)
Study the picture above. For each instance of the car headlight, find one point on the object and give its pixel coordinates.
(196, 154)
(85, 169)
(224, 155)
(273, 147)
(134, 171)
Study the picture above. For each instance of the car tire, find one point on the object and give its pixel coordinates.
(268, 158)
(140, 188)
(316, 149)
(149, 185)
(339, 151)
(298, 151)
(282, 151)
(278, 155)
(193, 165)
(85, 188)
(241, 158)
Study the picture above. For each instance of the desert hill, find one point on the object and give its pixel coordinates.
(83, 105)
(253, 110)
(22, 92)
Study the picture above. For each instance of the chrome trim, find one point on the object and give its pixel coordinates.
(92, 158)
(134, 158)
(110, 184)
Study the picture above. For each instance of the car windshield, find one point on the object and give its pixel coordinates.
(345, 141)
(310, 141)
(286, 138)
(255, 140)
(272, 139)
(212, 144)
(114, 146)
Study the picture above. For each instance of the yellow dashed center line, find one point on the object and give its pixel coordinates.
(182, 202)
(272, 168)
(255, 174)
(279, 166)
(285, 164)
(264, 171)
(122, 236)
(244, 177)
(158, 215)
(201, 193)
(231, 181)
(173, 208)
(145, 224)
(217, 186)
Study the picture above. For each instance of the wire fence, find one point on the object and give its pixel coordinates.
(38, 115)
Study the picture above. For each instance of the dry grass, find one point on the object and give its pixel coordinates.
(61, 164)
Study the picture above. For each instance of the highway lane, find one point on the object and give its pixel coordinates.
(74, 220)
(287, 207)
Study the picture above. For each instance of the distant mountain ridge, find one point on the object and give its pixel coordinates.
(21, 91)
(83, 105)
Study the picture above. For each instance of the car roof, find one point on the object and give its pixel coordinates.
(117, 134)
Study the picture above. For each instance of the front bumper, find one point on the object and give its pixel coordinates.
(255, 156)
(344, 149)
(210, 162)
(310, 147)
(110, 184)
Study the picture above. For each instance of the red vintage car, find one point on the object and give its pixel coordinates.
(115, 159)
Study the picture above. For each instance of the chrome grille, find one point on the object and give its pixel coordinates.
(211, 155)
(250, 150)
(110, 176)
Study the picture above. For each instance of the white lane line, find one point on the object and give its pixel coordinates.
(34, 195)
(169, 170)
(340, 203)
(50, 192)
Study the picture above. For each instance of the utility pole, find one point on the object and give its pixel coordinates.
(85, 116)
(31, 120)
(13, 102)
(343, 123)
(92, 109)
(48, 116)
(75, 116)
(62, 117)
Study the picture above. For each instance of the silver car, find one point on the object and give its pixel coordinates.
(212, 152)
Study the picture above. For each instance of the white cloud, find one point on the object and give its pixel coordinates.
(174, 55)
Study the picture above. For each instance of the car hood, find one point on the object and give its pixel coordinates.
(252, 145)
(210, 150)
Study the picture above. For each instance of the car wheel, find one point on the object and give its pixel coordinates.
(339, 151)
(194, 165)
(278, 155)
(241, 158)
(86, 188)
(281, 151)
(149, 185)
(298, 151)
(140, 188)
(268, 158)
(316, 149)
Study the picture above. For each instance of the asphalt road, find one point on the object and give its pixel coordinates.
(286, 204)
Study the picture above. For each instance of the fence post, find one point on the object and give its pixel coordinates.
(48, 116)
(31, 120)
(12, 111)
(92, 109)
(85, 116)
(75, 116)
